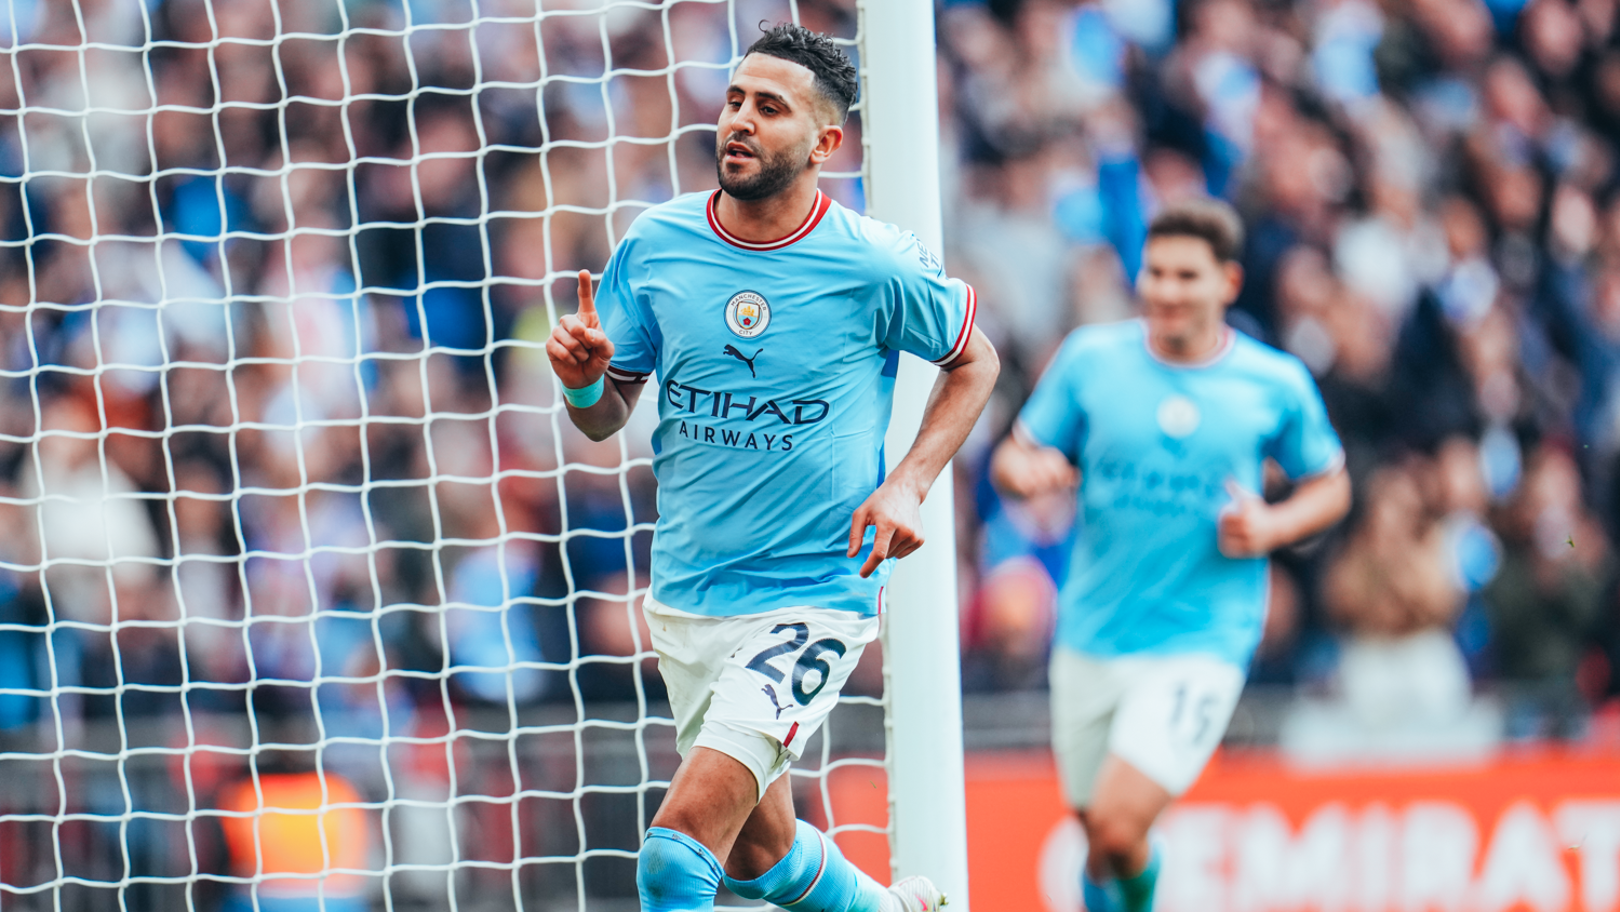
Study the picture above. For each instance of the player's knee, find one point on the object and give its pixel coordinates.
(673, 870)
(751, 858)
(1113, 836)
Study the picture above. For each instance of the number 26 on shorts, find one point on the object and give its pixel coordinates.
(811, 660)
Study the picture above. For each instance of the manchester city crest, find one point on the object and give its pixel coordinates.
(747, 313)
(1178, 416)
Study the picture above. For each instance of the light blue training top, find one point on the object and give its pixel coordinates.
(775, 367)
(1156, 443)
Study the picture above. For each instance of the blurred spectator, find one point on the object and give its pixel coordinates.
(1545, 601)
(1391, 590)
(90, 517)
(495, 628)
(207, 591)
(1434, 228)
(1013, 617)
(1008, 626)
(287, 827)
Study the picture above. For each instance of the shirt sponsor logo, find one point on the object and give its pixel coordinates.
(740, 439)
(748, 313)
(1161, 490)
(727, 404)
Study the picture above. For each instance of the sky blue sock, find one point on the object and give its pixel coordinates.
(675, 873)
(1100, 897)
(1137, 891)
(813, 877)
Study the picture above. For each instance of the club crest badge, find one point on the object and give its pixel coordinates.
(1178, 417)
(747, 314)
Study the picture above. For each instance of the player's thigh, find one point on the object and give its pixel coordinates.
(777, 689)
(1123, 807)
(691, 655)
(710, 799)
(1172, 715)
(1085, 693)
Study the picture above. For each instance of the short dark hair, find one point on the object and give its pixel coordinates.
(835, 76)
(1210, 219)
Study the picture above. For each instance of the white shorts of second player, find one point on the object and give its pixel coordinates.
(1162, 714)
(757, 686)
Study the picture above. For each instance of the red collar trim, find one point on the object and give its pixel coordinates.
(823, 203)
(1228, 340)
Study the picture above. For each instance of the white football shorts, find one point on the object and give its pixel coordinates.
(1163, 714)
(755, 687)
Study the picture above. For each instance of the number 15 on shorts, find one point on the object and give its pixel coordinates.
(1195, 715)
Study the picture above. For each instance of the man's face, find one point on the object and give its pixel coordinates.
(772, 128)
(1184, 288)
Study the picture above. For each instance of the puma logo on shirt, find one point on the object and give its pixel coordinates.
(733, 352)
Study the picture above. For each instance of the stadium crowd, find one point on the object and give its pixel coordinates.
(277, 304)
(1430, 188)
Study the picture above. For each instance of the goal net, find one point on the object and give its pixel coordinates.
(310, 594)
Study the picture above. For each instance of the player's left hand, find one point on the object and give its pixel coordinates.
(1246, 527)
(895, 511)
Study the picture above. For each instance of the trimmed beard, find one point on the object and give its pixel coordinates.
(775, 173)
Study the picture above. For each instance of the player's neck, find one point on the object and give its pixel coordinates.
(768, 219)
(1194, 348)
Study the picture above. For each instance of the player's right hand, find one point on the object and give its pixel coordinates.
(1024, 471)
(1245, 527)
(578, 348)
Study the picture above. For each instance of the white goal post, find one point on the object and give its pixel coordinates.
(922, 675)
(308, 588)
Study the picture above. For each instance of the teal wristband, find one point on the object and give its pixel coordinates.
(585, 396)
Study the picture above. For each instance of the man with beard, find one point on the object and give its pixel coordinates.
(774, 319)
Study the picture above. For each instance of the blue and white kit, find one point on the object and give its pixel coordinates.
(1156, 444)
(775, 366)
(1155, 625)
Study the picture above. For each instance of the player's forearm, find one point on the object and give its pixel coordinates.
(609, 413)
(953, 407)
(1315, 505)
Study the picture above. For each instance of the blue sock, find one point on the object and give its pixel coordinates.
(675, 873)
(1137, 891)
(813, 877)
(1100, 897)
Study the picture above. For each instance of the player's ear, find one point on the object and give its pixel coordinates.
(827, 142)
(1233, 273)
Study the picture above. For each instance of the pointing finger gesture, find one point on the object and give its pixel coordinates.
(578, 348)
(1244, 528)
(587, 302)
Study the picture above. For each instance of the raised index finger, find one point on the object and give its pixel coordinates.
(1239, 494)
(587, 300)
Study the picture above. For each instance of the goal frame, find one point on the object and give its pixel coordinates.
(921, 650)
(899, 180)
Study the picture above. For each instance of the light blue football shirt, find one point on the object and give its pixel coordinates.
(775, 367)
(1156, 443)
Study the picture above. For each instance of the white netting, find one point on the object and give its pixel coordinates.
(292, 518)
